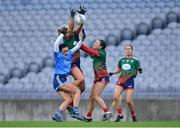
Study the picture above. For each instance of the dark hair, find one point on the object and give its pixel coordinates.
(103, 44)
(61, 46)
(130, 46)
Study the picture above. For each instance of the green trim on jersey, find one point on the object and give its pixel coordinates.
(69, 42)
(129, 67)
(101, 60)
(99, 63)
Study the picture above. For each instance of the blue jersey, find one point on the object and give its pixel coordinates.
(62, 62)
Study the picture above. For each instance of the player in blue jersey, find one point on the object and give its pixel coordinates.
(71, 37)
(62, 84)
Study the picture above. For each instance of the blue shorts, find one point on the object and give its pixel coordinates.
(128, 84)
(59, 80)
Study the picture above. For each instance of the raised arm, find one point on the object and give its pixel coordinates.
(57, 42)
(78, 30)
(89, 50)
(82, 10)
(71, 23)
(86, 48)
(73, 50)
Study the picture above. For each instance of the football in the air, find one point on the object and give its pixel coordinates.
(80, 19)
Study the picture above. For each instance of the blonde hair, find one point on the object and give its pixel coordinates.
(59, 29)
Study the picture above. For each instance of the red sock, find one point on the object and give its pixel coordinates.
(71, 104)
(89, 114)
(119, 111)
(106, 110)
(133, 113)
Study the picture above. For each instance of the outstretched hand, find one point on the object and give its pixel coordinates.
(72, 12)
(82, 10)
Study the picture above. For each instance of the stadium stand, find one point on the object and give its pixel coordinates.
(28, 28)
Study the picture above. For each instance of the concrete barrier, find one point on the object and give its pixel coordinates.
(42, 110)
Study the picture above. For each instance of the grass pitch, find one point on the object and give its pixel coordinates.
(88, 124)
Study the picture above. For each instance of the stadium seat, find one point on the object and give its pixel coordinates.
(157, 23)
(34, 67)
(143, 29)
(172, 17)
(156, 31)
(127, 34)
(112, 39)
(28, 29)
(2, 78)
(167, 30)
(16, 72)
(48, 62)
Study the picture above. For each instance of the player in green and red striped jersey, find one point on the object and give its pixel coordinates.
(129, 67)
(98, 55)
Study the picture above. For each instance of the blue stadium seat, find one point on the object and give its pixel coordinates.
(16, 72)
(127, 34)
(34, 67)
(112, 39)
(2, 78)
(28, 30)
(48, 62)
(157, 23)
(172, 17)
(143, 29)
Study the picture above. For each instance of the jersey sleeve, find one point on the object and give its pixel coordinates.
(138, 65)
(119, 63)
(57, 42)
(89, 50)
(73, 50)
(101, 53)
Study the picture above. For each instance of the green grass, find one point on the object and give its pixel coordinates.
(89, 124)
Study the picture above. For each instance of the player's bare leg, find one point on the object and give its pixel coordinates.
(79, 82)
(117, 93)
(91, 103)
(67, 100)
(72, 89)
(65, 91)
(97, 91)
(130, 103)
(90, 108)
(79, 77)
